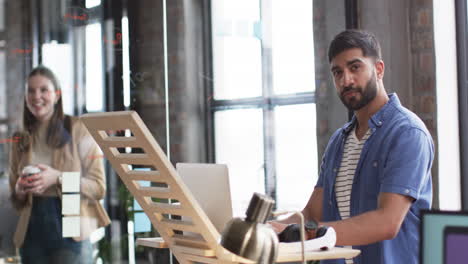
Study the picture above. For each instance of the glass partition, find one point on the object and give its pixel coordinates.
(215, 81)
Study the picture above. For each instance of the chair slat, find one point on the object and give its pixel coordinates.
(181, 225)
(198, 259)
(154, 242)
(166, 208)
(153, 176)
(157, 192)
(194, 251)
(187, 239)
(121, 142)
(134, 158)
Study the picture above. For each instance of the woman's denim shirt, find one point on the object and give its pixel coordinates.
(396, 158)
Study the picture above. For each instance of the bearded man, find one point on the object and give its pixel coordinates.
(375, 175)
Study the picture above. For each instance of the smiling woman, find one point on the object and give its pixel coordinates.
(41, 96)
(56, 145)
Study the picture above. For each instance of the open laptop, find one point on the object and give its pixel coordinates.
(209, 184)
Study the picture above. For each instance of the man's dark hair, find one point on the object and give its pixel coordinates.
(353, 38)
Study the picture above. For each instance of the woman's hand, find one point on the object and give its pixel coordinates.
(24, 185)
(43, 180)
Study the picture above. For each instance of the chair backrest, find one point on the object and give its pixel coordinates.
(193, 238)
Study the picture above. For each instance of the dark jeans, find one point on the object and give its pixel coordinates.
(44, 242)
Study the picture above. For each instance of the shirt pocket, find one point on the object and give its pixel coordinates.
(371, 175)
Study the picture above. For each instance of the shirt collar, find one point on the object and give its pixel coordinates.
(378, 119)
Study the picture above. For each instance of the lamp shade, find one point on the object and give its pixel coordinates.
(251, 238)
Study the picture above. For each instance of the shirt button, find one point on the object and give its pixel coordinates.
(334, 170)
(375, 164)
(407, 191)
(379, 123)
(329, 202)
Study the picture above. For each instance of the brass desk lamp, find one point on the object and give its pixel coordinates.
(251, 238)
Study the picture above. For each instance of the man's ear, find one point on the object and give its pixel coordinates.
(379, 69)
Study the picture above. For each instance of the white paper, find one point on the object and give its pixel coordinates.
(327, 241)
(71, 226)
(71, 182)
(70, 204)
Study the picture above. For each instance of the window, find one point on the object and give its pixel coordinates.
(263, 99)
(446, 88)
(94, 74)
(92, 3)
(461, 7)
(53, 56)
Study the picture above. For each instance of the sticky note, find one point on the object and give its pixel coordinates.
(71, 182)
(70, 204)
(71, 226)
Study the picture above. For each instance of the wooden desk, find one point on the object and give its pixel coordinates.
(334, 253)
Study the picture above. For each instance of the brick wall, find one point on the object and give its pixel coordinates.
(423, 73)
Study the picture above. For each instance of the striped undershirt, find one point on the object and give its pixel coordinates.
(344, 178)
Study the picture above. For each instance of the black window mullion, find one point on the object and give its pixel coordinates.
(269, 164)
(261, 102)
(208, 83)
(462, 52)
(352, 22)
(301, 98)
(351, 14)
(254, 102)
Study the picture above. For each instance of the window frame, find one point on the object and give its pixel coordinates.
(462, 62)
(268, 101)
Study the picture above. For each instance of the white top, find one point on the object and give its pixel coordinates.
(344, 178)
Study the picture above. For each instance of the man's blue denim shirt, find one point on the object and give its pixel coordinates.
(397, 158)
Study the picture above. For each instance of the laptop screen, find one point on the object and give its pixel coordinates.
(433, 224)
(209, 184)
(455, 245)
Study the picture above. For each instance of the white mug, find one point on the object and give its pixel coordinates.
(30, 170)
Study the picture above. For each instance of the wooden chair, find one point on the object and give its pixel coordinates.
(193, 239)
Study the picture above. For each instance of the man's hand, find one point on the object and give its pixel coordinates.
(313, 210)
(381, 224)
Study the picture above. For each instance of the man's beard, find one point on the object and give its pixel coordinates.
(353, 104)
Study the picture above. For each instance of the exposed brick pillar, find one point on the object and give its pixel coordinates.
(331, 114)
(147, 65)
(186, 80)
(185, 74)
(18, 64)
(423, 74)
